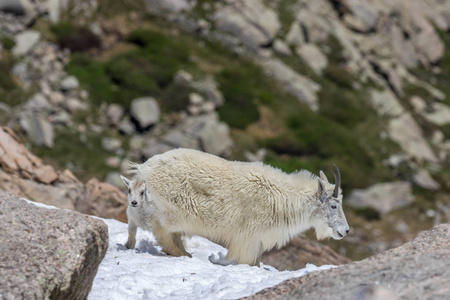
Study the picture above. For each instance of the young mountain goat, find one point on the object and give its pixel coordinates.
(247, 207)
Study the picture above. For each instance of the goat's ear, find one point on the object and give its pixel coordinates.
(322, 189)
(323, 176)
(125, 180)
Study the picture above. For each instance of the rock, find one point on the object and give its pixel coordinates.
(25, 42)
(436, 113)
(102, 200)
(367, 14)
(315, 22)
(111, 144)
(113, 162)
(295, 35)
(17, 7)
(250, 21)
(177, 139)
(281, 48)
(382, 197)
(38, 129)
(24, 175)
(113, 178)
(425, 39)
(145, 111)
(209, 88)
(170, 6)
(62, 118)
(312, 56)
(126, 127)
(405, 131)
(415, 270)
(385, 103)
(54, 10)
(208, 107)
(75, 104)
(48, 253)
(300, 252)
(38, 103)
(154, 149)
(69, 83)
(114, 113)
(304, 89)
(214, 136)
(183, 78)
(195, 99)
(56, 98)
(424, 180)
(260, 155)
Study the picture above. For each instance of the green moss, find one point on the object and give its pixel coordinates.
(287, 10)
(75, 38)
(7, 42)
(244, 86)
(111, 8)
(10, 93)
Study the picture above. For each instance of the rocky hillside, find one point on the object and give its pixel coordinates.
(417, 270)
(91, 84)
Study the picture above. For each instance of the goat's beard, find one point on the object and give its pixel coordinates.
(323, 232)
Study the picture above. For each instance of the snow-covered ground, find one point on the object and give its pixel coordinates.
(147, 273)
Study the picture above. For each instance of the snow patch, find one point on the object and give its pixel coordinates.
(148, 273)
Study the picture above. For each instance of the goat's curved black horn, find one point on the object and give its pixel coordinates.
(337, 181)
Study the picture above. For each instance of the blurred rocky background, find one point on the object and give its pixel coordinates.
(88, 85)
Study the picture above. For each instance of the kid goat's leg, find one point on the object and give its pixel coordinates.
(131, 242)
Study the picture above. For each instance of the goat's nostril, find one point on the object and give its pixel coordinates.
(133, 202)
(347, 231)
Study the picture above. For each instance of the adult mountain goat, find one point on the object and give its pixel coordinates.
(247, 207)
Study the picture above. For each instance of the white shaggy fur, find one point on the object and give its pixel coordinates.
(247, 207)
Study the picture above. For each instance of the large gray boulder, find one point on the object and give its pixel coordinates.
(47, 253)
(301, 87)
(407, 133)
(25, 42)
(213, 135)
(38, 129)
(416, 270)
(254, 24)
(18, 7)
(382, 197)
(145, 111)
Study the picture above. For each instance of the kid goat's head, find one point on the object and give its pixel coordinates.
(136, 192)
(330, 219)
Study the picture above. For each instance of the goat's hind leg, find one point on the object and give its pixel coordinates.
(170, 242)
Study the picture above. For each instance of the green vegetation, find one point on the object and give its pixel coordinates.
(287, 9)
(75, 38)
(82, 154)
(7, 42)
(10, 93)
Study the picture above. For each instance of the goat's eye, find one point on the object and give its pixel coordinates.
(142, 194)
(333, 206)
(129, 191)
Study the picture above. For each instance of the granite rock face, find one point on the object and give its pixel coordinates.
(47, 253)
(419, 269)
(25, 175)
(301, 251)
